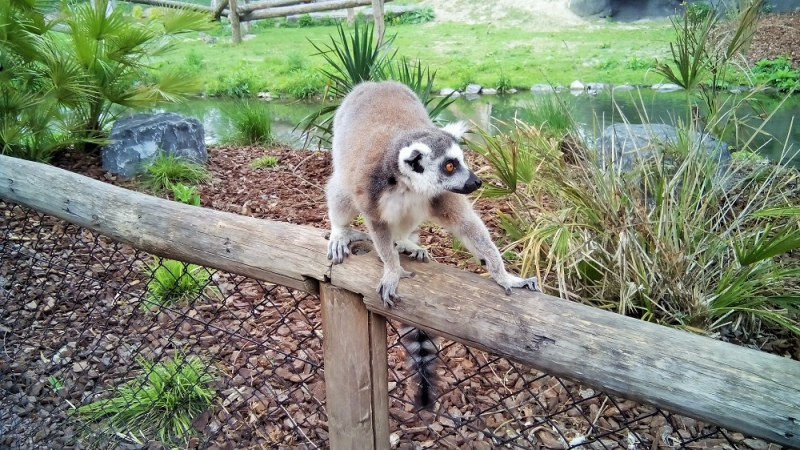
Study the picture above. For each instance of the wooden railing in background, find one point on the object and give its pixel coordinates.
(734, 387)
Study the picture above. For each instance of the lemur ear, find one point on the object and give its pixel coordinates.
(413, 159)
(457, 129)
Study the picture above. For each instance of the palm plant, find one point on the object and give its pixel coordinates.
(357, 57)
(114, 54)
(57, 91)
(35, 85)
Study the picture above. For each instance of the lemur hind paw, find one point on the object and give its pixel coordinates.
(418, 254)
(511, 281)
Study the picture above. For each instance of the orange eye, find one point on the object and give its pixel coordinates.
(450, 167)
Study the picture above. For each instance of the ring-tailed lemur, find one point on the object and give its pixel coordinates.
(396, 168)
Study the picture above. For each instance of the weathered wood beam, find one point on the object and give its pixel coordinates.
(283, 11)
(173, 4)
(228, 242)
(377, 15)
(218, 10)
(233, 17)
(356, 368)
(271, 4)
(723, 384)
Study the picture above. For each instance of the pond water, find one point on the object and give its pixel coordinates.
(593, 114)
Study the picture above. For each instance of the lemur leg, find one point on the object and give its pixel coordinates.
(392, 270)
(455, 213)
(409, 246)
(342, 211)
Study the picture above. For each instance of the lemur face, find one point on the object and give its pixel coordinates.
(433, 162)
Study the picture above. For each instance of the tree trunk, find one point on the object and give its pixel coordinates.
(233, 17)
(377, 12)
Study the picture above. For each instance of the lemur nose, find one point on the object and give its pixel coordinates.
(478, 182)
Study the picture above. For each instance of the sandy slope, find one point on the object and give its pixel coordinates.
(542, 15)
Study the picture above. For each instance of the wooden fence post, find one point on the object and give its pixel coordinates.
(351, 16)
(354, 347)
(233, 17)
(377, 13)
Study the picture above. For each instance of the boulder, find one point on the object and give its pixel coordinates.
(586, 8)
(576, 86)
(472, 89)
(667, 87)
(542, 88)
(624, 87)
(488, 91)
(207, 38)
(137, 139)
(622, 144)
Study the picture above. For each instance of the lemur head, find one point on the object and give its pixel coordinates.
(432, 161)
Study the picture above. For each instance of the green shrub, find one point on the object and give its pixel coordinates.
(242, 82)
(167, 170)
(778, 73)
(417, 16)
(607, 64)
(252, 123)
(194, 61)
(697, 12)
(295, 61)
(265, 162)
(161, 402)
(174, 282)
(185, 194)
(305, 84)
(503, 84)
(305, 20)
(634, 63)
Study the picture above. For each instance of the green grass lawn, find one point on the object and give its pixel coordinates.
(282, 60)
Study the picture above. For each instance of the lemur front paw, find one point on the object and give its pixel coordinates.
(388, 287)
(338, 250)
(512, 281)
(339, 245)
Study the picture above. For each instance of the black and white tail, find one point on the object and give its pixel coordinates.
(421, 351)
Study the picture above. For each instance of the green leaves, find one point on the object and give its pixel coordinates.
(353, 58)
(161, 402)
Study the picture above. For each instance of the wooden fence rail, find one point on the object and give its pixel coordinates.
(730, 386)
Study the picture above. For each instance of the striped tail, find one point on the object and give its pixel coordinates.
(421, 351)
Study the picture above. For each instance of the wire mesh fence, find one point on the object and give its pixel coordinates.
(105, 346)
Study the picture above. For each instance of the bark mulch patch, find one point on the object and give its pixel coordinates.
(69, 311)
(777, 36)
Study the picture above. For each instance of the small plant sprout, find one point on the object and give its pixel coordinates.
(174, 282)
(56, 384)
(268, 161)
(166, 170)
(185, 194)
(160, 403)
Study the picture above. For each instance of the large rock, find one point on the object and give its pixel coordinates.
(138, 139)
(621, 144)
(586, 8)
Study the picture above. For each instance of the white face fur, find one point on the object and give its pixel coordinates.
(431, 171)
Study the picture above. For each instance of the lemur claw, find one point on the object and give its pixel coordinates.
(388, 287)
(511, 281)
